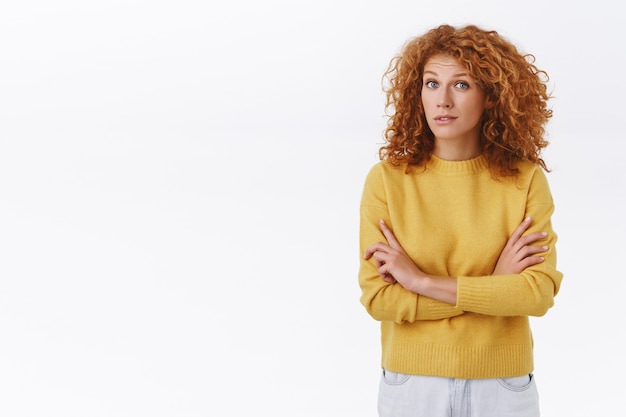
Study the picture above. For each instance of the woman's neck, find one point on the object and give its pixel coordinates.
(455, 151)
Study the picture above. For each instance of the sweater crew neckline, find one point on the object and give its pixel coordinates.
(469, 166)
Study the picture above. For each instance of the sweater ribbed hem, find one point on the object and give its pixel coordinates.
(466, 362)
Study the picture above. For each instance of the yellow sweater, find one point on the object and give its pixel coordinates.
(453, 219)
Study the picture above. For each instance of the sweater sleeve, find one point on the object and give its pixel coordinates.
(384, 301)
(532, 292)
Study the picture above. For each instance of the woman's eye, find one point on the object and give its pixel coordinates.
(431, 84)
(462, 85)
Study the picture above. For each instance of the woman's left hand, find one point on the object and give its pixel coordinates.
(393, 263)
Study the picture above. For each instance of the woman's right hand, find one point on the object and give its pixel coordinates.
(519, 253)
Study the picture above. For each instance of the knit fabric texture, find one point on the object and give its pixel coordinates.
(453, 219)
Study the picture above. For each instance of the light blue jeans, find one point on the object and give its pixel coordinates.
(402, 395)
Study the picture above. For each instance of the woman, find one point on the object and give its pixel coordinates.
(456, 234)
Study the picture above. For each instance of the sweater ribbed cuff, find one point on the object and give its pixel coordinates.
(474, 294)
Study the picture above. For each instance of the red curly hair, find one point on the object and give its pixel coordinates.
(512, 129)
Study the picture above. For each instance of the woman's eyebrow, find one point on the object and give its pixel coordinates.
(460, 74)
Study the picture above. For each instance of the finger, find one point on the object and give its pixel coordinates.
(529, 239)
(391, 238)
(533, 237)
(380, 266)
(388, 279)
(529, 250)
(381, 259)
(530, 261)
(376, 247)
(519, 230)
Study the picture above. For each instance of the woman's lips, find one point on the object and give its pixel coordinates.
(445, 119)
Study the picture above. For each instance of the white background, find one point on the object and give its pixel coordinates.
(179, 190)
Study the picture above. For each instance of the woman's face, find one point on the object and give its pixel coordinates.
(453, 102)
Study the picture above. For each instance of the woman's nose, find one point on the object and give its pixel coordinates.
(444, 100)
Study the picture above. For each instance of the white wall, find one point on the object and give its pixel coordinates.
(179, 189)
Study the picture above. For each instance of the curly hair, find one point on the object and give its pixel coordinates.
(513, 129)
